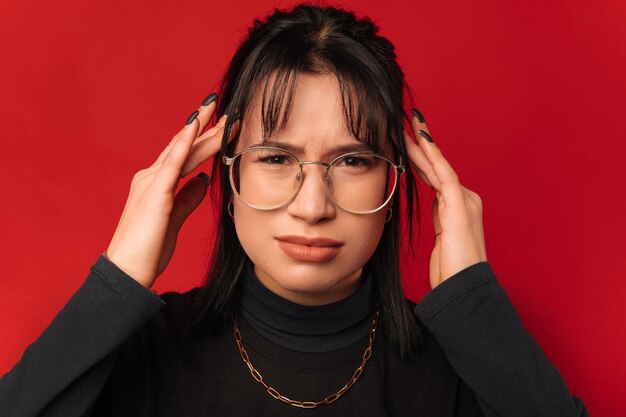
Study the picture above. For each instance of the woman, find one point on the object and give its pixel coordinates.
(302, 310)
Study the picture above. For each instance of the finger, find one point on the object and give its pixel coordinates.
(201, 151)
(207, 147)
(417, 125)
(234, 130)
(448, 179)
(187, 200)
(206, 109)
(420, 162)
(165, 151)
(436, 222)
(205, 112)
(220, 124)
(424, 178)
(169, 170)
(418, 122)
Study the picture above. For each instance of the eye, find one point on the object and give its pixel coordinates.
(273, 159)
(356, 161)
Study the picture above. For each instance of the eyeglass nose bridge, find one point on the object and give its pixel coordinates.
(302, 163)
(326, 164)
(325, 180)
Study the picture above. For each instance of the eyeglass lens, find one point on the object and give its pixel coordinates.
(269, 178)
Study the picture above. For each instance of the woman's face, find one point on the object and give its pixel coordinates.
(315, 130)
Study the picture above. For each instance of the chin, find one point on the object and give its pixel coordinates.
(307, 278)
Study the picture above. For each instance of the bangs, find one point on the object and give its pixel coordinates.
(363, 116)
(272, 59)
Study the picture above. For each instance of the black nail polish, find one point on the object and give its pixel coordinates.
(209, 99)
(205, 177)
(418, 115)
(192, 117)
(426, 135)
(227, 109)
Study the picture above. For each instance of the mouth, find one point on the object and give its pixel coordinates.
(317, 241)
(301, 248)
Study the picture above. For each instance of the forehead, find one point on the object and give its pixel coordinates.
(316, 122)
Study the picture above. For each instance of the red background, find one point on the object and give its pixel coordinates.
(525, 99)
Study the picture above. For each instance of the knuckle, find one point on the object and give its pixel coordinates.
(437, 162)
(450, 174)
(170, 160)
(477, 207)
(475, 203)
(475, 198)
(139, 175)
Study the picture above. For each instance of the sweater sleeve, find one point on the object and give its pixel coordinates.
(481, 333)
(63, 371)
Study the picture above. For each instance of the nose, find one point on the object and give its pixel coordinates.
(312, 204)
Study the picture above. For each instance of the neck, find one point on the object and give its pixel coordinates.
(307, 328)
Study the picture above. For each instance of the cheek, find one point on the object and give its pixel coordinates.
(251, 228)
(367, 235)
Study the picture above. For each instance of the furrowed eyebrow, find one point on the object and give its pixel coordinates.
(356, 147)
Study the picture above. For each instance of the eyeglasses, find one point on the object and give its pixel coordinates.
(266, 178)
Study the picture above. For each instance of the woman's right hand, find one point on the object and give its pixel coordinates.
(146, 234)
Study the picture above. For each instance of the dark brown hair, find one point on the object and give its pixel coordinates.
(310, 39)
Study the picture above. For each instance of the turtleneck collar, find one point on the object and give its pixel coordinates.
(307, 328)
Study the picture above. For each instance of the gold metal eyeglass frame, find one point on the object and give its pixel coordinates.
(229, 161)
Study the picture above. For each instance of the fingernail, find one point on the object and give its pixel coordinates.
(192, 117)
(227, 109)
(418, 115)
(205, 177)
(426, 135)
(209, 99)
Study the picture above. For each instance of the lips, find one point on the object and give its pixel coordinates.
(318, 241)
(300, 248)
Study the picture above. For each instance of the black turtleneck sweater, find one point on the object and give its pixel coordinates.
(307, 328)
(115, 350)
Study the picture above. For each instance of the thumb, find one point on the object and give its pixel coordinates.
(188, 198)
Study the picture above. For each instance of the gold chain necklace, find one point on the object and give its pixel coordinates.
(307, 404)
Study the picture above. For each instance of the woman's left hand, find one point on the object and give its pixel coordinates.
(457, 211)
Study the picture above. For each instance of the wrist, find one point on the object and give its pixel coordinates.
(104, 254)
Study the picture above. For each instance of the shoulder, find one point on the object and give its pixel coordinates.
(426, 344)
(178, 303)
(427, 364)
(171, 320)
